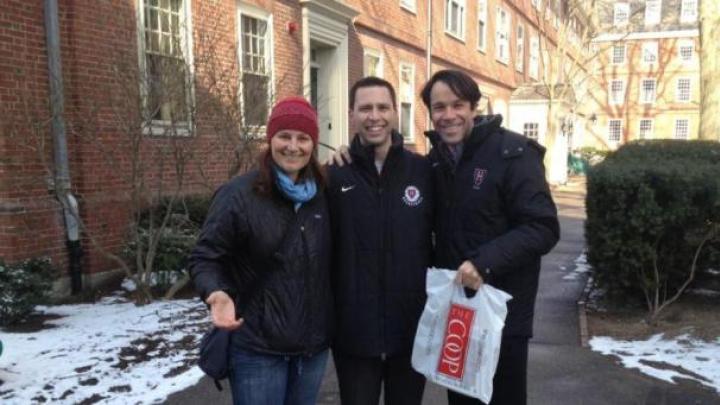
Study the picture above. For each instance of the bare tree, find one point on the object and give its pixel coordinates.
(710, 70)
(158, 125)
(565, 57)
(658, 294)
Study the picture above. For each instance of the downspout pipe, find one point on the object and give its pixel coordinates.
(62, 185)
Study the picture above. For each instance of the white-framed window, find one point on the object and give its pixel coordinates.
(482, 25)
(688, 11)
(407, 101)
(648, 91)
(520, 48)
(650, 52)
(455, 18)
(618, 54)
(410, 5)
(255, 65)
(531, 130)
(653, 12)
(621, 14)
(534, 62)
(502, 36)
(165, 63)
(682, 128)
(615, 130)
(372, 62)
(616, 92)
(645, 128)
(548, 10)
(686, 51)
(683, 90)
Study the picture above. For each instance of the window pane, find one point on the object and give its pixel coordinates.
(406, 122)
(151, 19)
(255, 99)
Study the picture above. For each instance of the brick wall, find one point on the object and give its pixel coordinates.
(101, 79)
(400, 35)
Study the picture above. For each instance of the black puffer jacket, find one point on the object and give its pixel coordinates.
(495, 209)
(382, 241)
(274, 262)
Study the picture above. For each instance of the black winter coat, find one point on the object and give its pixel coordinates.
(495, 209)
(382, 248)
(274, 262)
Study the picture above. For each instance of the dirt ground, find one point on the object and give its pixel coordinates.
(697, 315)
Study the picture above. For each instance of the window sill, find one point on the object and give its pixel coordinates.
(165, 128)
(454, 36)
(409, 9)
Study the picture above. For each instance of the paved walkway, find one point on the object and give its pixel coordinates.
(560, 371)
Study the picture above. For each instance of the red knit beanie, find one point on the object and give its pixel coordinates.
(293, 113)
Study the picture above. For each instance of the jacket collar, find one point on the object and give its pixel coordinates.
(365, 154)
(483, 127)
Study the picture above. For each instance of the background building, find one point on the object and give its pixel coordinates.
(647, 70)
(170, 97)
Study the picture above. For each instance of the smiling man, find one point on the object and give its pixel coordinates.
(381, 214)
(495, 215)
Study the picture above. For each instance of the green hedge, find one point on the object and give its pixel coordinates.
(652, 202)
(24, 285)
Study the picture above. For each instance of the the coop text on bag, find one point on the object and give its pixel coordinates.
(457, 343)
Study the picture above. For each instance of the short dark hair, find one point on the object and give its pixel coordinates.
(372, 81)
(459, 82)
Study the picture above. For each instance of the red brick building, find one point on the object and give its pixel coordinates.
(195, 78)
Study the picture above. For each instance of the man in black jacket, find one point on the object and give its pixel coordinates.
(495, 218)
(381, 215)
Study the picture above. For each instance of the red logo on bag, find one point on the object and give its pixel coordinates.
(455, 343)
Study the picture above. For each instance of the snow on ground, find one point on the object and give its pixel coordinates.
(109, 352)
(667, 359)
(581, 267)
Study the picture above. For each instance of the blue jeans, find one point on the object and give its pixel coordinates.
(266, 379)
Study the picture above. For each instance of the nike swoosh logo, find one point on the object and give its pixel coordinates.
(346, 189)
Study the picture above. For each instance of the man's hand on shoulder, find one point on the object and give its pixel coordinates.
(340, 157)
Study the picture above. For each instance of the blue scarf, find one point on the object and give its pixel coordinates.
(298, 193)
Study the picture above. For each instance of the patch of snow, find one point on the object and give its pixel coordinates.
(101, 349)
(704, 292)
(581, 267)
(128, 285)
(156, 278)
(667, 359)
(714, 272)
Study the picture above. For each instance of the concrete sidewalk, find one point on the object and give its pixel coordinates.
(560, 371)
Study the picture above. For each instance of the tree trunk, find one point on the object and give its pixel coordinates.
(709, 70)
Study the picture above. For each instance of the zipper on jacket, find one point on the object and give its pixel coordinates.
(381, 267)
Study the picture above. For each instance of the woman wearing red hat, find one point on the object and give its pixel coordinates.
(262, 265)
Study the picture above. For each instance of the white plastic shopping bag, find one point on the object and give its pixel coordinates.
(457, 343)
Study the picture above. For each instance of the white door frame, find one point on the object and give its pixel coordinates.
(327, 22)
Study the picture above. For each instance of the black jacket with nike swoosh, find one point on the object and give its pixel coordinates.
(381, 226)
(495, 209)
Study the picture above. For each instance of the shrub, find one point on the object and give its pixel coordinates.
(24, 285)
(176, 240)
(653, 215)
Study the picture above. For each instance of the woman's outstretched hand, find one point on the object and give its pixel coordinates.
(222, 310)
